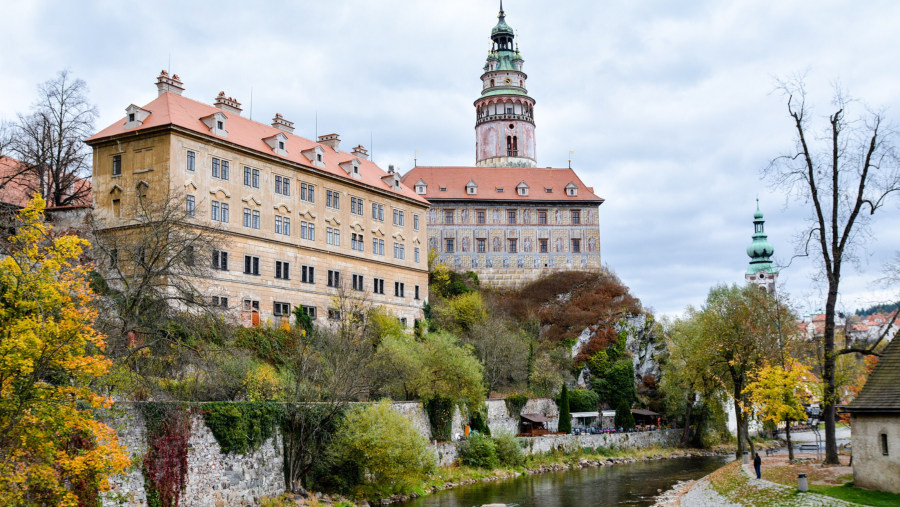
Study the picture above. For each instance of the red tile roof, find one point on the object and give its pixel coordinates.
(490, 179)
(17, 185)
(173, 109)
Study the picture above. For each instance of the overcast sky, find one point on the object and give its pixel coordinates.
(669, 106)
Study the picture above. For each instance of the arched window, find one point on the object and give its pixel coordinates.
(492, 82)
(509, 146)
(515, 146)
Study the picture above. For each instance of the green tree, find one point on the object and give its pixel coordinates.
(565, 417)
(776, 392)
(624, 418)
(479, 451)
(392, 454)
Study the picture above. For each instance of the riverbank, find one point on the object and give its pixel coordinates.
(455, 476)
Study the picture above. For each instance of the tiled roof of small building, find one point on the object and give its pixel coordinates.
(489, 179)
(17, 184)
(882, 391)
(173, 109)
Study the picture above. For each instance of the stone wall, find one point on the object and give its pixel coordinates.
(214, 479)
(873, 466)
(548, 443)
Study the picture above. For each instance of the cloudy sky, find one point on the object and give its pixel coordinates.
(668, 106)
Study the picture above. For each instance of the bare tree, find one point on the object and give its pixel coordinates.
(152, 262)
(49, 143)
(846, 173)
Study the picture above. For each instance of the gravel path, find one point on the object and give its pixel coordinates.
(701, 494)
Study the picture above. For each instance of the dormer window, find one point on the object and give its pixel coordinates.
(316, 155)
(351, 167)
(499, 190)
(135, 116)
(277, 143)
(522, 189)
(548, 190)
(421, 187)
(216, 123)
(571, 190)
(392, 180)
(471, 187)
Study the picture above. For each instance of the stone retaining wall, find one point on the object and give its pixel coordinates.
(641, 440)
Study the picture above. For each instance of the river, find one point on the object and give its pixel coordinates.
(628, 484)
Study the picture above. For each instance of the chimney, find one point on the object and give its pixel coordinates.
(391, 169)
(332, 140)
(164, 83)
(281, 124)
(227, 104)
(361, 152)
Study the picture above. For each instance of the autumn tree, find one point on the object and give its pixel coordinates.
(732, 336)
(844, 172)
(49, 143)
(502, 350)
(777, 393)
(52, 450)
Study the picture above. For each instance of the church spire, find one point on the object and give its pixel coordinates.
(762, 270)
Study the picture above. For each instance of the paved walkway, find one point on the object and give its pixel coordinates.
(701, 494)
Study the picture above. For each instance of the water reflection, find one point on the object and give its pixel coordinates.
(631, 484)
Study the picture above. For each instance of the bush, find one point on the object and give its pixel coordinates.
(582, 400)
(509, 452)
(479, 451)
(386, 446)
(478, 421)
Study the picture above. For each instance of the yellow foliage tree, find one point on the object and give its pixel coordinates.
(52, 450)
(778, 392)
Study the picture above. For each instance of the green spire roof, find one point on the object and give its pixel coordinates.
(760, 250)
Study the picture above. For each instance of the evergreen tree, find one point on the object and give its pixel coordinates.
(565, 417)
(624, 417)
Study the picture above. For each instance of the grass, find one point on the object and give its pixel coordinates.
(858, 495)
(729, 482)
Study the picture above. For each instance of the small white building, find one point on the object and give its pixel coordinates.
(875, 419)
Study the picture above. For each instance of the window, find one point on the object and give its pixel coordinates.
(282, 225)
(130, 117)
(251, 305)
(523, 191)
(377, 246)
(219, 301)
(251, 177)
(307, 274)
(480, 217)
(334, 314)
(334, 278)
(188, 205)
(282, 270)
(117, 165)
(333, 199)
(117, 208)
(499, 190)
(356, 206)
(251, 265)
(576, 217)
(280, 145)
(309, 310)
(281, 309)
(191, 162)
(282, 185)
(884, 444)
(220, 260)
(576, 246)
(417, 292)
(542, 245)
(542, 217)
(398, 289)
(480, 245)
(219, 168)
(443, 189)
(307, 192)
(448, 216)
(333, 236)
(416, 222)
(356, 242)
(399, 251)
(220, 124)
(358, 283)
(416, 254)
(251, 218)
(378, 286)
(398, 218)
(307, 230)
(548, 190)
(219, 211)
(378, 212)
(448, 245)
(512, 245)
(511, 216)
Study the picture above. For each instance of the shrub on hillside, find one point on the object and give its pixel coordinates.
(509, 452)
(478, 451)
(581, 400)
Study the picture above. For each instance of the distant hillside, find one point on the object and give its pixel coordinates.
(882, 308)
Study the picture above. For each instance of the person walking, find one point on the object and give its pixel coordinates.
(757, 465)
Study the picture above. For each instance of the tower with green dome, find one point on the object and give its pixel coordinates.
(504, 113)
(762, 270)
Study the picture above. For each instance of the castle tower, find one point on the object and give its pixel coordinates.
(504, 114)
(762, 270)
